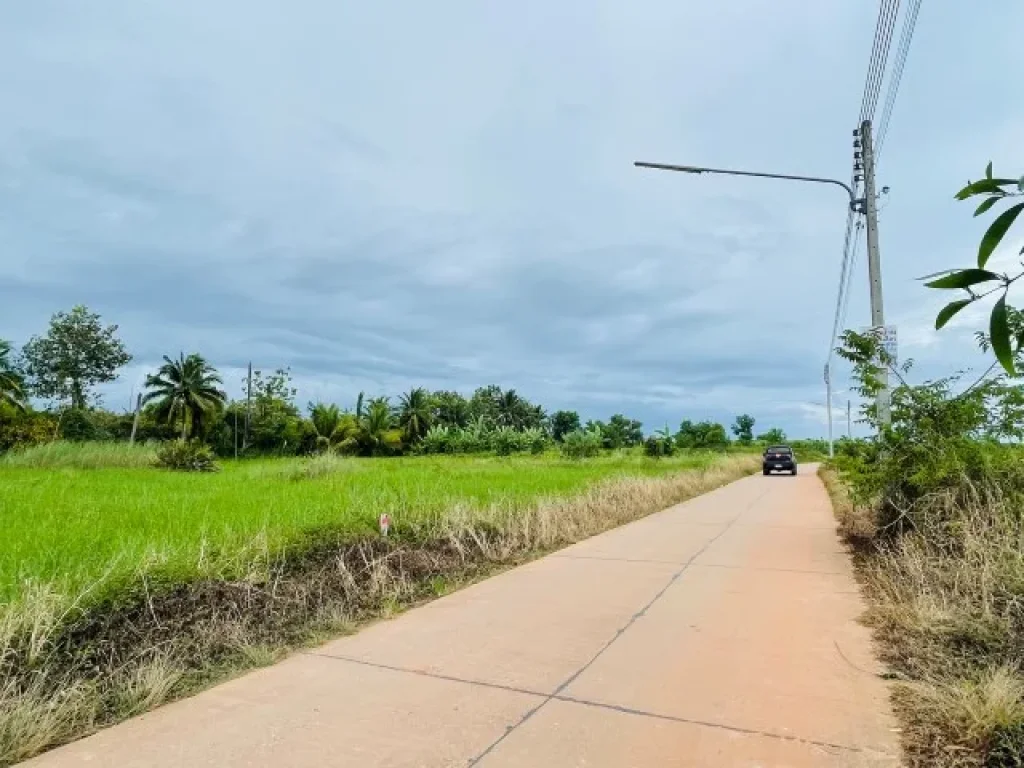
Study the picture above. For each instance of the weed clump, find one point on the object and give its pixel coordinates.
(186, 456)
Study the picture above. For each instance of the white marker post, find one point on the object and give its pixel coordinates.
(385, 525)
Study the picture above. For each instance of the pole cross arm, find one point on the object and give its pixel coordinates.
(699, 169)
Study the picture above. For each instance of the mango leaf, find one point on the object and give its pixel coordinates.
(996, 231)
(949, 310)
(963, 279)
(999, 333)
(987, 204)
(984, 187)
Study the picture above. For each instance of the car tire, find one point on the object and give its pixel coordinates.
(766, 472)
(794, 471)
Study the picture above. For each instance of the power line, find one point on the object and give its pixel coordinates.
(887, 13)
(853, 267)
(909, 23)
(844, 278)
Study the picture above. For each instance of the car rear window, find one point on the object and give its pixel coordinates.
(780, 449)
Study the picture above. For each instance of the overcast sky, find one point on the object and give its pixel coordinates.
(389, 194)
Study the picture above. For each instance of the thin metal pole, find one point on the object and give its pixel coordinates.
(874, 264)
(849, 421)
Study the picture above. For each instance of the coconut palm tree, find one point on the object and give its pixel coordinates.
(374, 434)
(415, 414)
(510, 407)
(11, 390)
(186, 387)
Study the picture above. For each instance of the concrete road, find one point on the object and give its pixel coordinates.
(721, 632)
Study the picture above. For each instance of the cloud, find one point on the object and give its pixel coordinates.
(450, 200)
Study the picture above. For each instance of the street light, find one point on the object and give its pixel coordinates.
(700, 169)
(856, 205)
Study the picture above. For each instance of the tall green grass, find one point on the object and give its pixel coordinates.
(67, 455)
(75, 525)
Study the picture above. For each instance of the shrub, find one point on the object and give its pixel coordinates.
(505, 441)
(535, 440)
(438, 439)
(582, 444)
(656, 446)
(21, 430)
(186, 456)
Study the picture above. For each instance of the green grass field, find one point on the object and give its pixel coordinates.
(70, 523)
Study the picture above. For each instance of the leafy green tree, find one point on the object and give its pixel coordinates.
(12, 386)
(77, 353)
(702, 435)
(621, 432)
(744, 428)
(562, 423)
(187, 388)
(450, 409)
(415, 414)
(1003, 338)
(484, 403)
(773, 436)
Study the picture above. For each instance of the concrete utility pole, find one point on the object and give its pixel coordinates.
(248, 407)
(874, 264)
(849, 421)
(135, 421)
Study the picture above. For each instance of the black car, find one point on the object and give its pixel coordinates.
(778, 458)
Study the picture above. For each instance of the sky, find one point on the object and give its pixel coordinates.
(387, 195)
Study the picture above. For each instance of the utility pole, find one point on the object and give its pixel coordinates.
(828, 405)
(849, 421)
(135, 421)
(248, 407)
(874, 264)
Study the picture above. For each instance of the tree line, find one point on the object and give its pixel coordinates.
(185, 399)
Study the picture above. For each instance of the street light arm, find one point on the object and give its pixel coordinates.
(699, 169)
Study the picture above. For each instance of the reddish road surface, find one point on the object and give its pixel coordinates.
(721, 632)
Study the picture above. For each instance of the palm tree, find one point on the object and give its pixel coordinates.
(373, 434)
(11, 390)
(510, 409)
(415, 414)
(326, 420)
(186, 386)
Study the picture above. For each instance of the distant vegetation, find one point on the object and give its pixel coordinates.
(185, 399)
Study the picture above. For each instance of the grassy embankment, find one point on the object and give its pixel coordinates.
(124, 586)
(946, 603)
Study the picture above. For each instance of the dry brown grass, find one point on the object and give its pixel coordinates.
(64, 673)
(947, 607)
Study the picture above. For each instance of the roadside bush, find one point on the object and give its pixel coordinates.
(186, 456)
(581, 444)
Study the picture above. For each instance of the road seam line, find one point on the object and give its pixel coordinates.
(675, 577)
(584, 702)
(695, 565)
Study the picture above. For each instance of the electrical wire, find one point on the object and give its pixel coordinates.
(907, 35)
(852, 270)
(887, 13)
